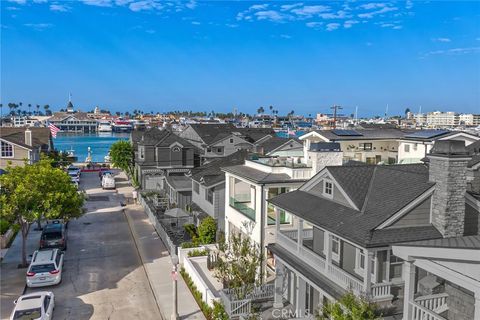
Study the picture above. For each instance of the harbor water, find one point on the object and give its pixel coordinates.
(99, 143)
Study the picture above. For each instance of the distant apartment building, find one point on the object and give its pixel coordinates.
(442, 119)
(469, 119)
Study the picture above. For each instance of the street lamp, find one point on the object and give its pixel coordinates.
(174, 315)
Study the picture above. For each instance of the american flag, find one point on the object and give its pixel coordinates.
(53, 130)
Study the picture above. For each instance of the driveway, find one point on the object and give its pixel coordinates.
(103, 274)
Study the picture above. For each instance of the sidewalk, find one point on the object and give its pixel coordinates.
(13, 279)
(157, 262)
(158, 266)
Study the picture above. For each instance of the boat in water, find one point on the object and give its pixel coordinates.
(104, 126)
(70, 154)
(107, 158)
(122, 126)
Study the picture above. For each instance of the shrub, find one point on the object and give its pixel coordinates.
(207, 230)
(197, 253)
(4, 226)
(207, 311)
(191, 230)
(186, 245)
(218, 311)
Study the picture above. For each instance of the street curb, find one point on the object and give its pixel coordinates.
(129, 222)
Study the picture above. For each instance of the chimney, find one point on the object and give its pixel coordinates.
(322, 154)
(28, 137)
(448, 169)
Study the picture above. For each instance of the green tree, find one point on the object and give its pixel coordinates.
(350, 307)
(28, 194)
(122, 157)
(238, 263)
(207, 230)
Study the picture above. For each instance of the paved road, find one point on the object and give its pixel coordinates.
(104, 277)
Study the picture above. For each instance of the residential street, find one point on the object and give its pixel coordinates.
(103, 275)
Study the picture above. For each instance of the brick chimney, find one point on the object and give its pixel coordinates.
(28, 137)
(448, 169)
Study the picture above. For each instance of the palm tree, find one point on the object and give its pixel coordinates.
(19, 105)
(38, 109)
(29, 109)
(46, 107)
(407, 111)
(11, 106)
(260, 110)
(271, 108)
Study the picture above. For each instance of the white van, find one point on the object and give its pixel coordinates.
(108, 181)
(45, 269)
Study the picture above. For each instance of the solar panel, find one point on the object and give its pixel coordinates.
(426, 134)
(346, 133)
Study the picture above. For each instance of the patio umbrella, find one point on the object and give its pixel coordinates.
(176, 213)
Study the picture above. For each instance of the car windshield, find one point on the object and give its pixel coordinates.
(73, 169)
(52, 235)
(39, 268)
(28, 314)
(73, 173)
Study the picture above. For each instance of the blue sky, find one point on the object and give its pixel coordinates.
(199, 55)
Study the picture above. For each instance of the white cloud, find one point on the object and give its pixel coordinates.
(339, 15)
(271, 15)
(122, 2)
(144, 5)
(443, 39)
(369, 15)
(455, 51)
(38, 26)
(98, 3)
(150, 31)
(368, 44)
(285, 36)
(59, 7)
(310, 10)
(192, 4)
(40, 1)
(332, 26)
(387, 25)
(349, 23)
(18, 1)
(409, 4)
(258, 7)
(196, 23)
(231, 25)
(314, 24)
(397, 27)
(373, 5)
(287, 7)
(12, 8)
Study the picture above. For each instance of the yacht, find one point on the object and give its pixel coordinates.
(122, 126)
(104, 126)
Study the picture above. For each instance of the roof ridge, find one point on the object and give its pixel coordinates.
(370, 187)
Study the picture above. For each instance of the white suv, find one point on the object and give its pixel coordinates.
(37, 305)
(45, 268)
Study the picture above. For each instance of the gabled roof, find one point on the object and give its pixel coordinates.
(16, 135)
(258, 176)
(159, 138)
(60, 116)
(274, 142)
(211, 133)
(378, 192)
(211, 173)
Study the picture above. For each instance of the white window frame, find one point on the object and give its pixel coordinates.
(13, 150)
(328, 195)
(406, 148)
(141, 152)
(358, 268)
(335, 256)
(231, 140)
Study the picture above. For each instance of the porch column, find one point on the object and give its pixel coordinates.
(387, 271)
(476, 315)
(327, 249)
(367, 277)
(301, 296)
(299, 234)
(279, 281)
(277, 219)
(409, 289)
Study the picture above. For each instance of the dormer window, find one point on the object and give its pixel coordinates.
(141, 152)
(328, 188)
(176, 149)
(231, 140)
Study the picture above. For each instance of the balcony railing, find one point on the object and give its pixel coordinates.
(239, 203)
(422, 313)
(287, 239)
(429, 307)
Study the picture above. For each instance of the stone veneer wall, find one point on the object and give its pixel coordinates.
(448, 205)
(461, 304)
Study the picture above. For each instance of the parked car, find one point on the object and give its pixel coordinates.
(75, 170)
(54, 235)
(37, 305)
(45, 268)
(108, 181)
(74, 177)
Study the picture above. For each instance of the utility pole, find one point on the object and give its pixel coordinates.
(335, 108)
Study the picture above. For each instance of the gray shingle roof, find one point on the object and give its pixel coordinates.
(41, 137)
(179, 183)
(211, 173)
(273, 143)
(366, 134)
(258, 176)
(214, 132)
(378, 191)
(159, 138)
(468, 242)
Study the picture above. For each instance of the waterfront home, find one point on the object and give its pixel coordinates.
(251, 185)
(442, 278)
(222, 139)
(208, 185)
(345, 220)
(415, 145)
(160, 153)
(20, 144)
(273, 146)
